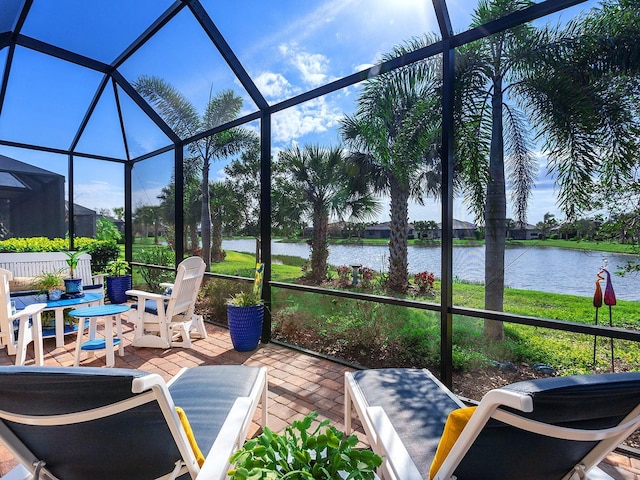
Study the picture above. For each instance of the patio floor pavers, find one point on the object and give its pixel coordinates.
(298, 382)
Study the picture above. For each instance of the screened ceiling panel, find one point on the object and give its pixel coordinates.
(99, 30)
(315, 42)
(143, 136)
(103, 134)
(182, 55)
(9, 13)
(46, 99)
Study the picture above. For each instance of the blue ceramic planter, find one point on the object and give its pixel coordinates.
(116, 288)
(245, 326)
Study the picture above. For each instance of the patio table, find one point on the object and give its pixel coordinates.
(58, 307)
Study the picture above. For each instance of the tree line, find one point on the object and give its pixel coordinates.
(571, 89)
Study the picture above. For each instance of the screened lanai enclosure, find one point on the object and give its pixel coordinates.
(406, 170)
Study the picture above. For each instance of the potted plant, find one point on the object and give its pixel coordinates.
(324, 453)
(72, 285)
(245, 312)
(118, 280)
(50, 283)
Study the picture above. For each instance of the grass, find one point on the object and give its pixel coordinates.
(385, 335)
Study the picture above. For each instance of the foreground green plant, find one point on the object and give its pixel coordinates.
(300, 454)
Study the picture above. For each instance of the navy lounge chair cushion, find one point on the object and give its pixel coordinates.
(584, 402)
(416, 406)
(135, 444)
(195, 389)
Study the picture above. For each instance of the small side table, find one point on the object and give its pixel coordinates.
(108, 313)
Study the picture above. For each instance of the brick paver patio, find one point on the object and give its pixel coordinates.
(298, 382)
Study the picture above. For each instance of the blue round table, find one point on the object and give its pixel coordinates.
(109, 313)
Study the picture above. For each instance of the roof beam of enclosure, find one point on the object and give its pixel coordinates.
(535, 11)
(62, 54)
(227, 53)
(5, 75)
(59, 151)
(8, 39)
(89, 112)
(145, 107)
(162, 20)
(123, 130)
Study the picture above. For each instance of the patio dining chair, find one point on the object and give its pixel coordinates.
(95, 423)
(550, 428)
(168, 320)
(19, 328)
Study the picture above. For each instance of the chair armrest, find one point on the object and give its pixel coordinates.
(166, 285)
(395, 456)
(28, 311)
(97, 278)
(227, 442)
(141, 294)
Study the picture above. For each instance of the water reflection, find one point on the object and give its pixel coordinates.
(545, 269)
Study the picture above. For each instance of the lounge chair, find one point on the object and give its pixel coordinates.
(97, 423)
(551, 428)
(164, 321)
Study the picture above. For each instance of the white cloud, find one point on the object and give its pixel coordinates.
(315, 116)
(312, 66)
(274, 86)
(97, 195)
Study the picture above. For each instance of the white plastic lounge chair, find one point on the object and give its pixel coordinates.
(164, 321)
(18, 330)
(551, 428)
(97, 423)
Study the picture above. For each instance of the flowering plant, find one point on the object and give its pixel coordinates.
(344, 275)
(424, 281)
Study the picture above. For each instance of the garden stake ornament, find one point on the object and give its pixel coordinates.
(610, 301)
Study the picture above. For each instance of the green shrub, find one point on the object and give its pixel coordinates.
(101, 251)
(162, 256)
(216, 294)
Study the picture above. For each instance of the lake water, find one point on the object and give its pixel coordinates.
(544, 269)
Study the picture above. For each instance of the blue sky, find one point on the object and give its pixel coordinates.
(287, 47)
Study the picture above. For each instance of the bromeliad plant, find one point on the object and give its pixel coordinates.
(324, 453)
(424, 282)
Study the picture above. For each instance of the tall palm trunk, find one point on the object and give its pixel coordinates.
(398, 265)
(193, 234)
(205, 218)
(495, 218)
(216, 240)
(319, 251)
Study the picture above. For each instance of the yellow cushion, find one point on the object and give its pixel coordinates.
(192, 439)
(456, 421)
(22, 283)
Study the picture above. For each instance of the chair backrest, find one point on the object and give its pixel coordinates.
(508, 446)
(32, 264)
(186, 287)
(86, 423)
(6, 327)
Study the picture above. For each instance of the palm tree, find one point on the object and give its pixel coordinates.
(391, 137)
(548, 77)
(184, 119)
(323, 177)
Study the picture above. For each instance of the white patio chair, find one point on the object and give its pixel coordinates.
(19, 329)
(164, 321)
(97, 423)
(551, 428)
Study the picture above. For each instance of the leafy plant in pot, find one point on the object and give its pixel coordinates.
(245, 313)
(324, 453)
(50, 283)
(118, 280)
(72, 285)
